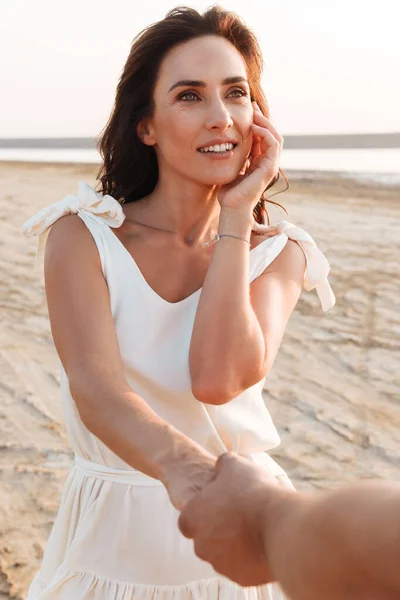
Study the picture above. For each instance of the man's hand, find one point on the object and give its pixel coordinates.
(343, 543)
(227, 520)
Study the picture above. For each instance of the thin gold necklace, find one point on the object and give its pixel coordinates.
(214, 238)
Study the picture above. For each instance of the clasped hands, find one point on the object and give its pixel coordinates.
(231, 519)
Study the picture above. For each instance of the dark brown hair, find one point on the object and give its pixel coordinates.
(129, 170)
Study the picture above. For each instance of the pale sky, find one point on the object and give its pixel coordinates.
(331, 66)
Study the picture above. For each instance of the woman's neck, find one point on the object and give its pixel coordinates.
(187, 209)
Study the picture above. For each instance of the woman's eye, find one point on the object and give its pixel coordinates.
(238, 92)
(192, 96)
(188, 96)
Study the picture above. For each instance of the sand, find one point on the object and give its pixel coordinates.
(334, 390)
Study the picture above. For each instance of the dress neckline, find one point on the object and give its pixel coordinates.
(148, 286)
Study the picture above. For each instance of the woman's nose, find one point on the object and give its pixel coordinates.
(218, 116)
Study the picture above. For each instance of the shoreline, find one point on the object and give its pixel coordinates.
(358, 178)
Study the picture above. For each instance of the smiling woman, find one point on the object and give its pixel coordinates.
(167, 309)
(129, 171)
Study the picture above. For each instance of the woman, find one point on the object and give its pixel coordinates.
(164, 345)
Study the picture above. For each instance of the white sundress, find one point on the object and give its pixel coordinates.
(116, 536)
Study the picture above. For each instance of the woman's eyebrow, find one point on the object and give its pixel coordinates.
(197, 83)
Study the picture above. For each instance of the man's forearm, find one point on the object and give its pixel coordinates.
(332, 544)
(227, 347)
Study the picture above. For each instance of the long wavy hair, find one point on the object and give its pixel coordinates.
(129, 169)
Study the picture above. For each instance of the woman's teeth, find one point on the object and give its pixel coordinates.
(218, 148)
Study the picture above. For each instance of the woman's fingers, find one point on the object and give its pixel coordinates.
(272, 144)
(263, 132)
(262, 120)
(256, 146)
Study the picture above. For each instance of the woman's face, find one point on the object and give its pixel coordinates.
(202, 100)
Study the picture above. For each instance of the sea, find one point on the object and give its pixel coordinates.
(365, 164)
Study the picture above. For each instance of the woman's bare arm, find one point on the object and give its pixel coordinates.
(226, 348)
(85, 338)
(239, 327)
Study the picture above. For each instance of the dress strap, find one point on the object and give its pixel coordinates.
(317, 269)
(105, 208)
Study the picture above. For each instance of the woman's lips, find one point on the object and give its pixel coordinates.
(219, 155)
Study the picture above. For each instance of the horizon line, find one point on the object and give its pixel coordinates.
(293, 141)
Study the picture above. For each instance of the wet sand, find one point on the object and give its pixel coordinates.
(334, 390)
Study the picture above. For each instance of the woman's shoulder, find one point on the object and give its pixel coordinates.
(293, 245)
(69, 242)
(261, 232)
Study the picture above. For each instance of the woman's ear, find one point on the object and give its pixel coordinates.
(145, 132)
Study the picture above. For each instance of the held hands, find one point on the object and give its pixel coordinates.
(187, 474)
(266, 149)
(227, 520)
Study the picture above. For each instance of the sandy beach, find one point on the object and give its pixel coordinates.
(334, 391)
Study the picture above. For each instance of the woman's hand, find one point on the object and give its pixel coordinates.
(186, 474)
(246, 190)
(233, 518)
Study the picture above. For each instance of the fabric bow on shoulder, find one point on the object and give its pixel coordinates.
(105, 207)
(316, 275)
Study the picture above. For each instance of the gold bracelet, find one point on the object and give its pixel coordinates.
(218, 237)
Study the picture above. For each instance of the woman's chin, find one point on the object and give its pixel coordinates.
(221, 178)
